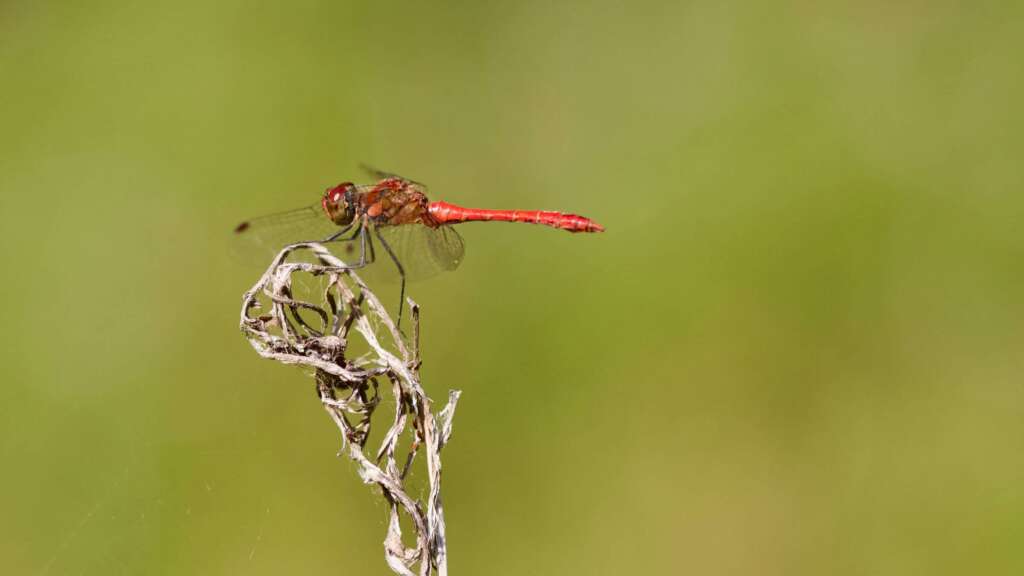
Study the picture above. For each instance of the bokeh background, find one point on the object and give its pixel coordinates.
(796, 350)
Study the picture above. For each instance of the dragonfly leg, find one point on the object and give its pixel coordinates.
(364, 241)
(369, 240)
(401, 273)
(334, 237)
(360, 231)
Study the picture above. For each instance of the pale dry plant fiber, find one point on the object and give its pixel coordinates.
(349, 388)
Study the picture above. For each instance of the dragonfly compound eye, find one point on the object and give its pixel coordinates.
(338, 203)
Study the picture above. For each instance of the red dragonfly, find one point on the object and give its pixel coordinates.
(415, 233)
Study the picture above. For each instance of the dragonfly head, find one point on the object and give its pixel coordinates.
(339, 203)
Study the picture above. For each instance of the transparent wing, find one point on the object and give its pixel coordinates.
(261, 238)
(422, 251)
(382, 174)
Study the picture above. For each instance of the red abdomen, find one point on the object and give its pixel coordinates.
(445, 213)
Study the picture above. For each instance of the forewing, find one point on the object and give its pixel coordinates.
(261, 238)
(381, 174)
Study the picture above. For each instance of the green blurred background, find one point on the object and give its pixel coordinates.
(796, 350)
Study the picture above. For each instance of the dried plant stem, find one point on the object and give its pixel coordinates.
(350, 388)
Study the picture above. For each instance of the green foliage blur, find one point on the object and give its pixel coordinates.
(796, 350)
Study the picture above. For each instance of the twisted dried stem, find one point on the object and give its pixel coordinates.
(321, 334)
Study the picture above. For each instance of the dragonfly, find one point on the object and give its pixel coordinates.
(415, 232)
